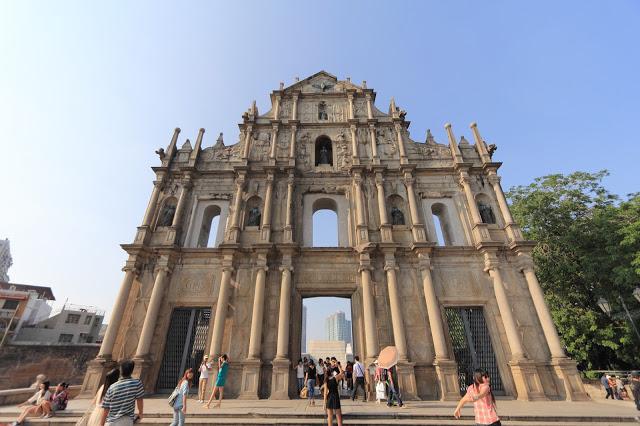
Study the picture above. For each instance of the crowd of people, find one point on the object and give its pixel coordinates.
(616, 387)
(44, 403)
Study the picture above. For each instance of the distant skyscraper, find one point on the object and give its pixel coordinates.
(337, 327)
(303, 339)
(5, 260)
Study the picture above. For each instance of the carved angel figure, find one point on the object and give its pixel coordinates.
(323, 86)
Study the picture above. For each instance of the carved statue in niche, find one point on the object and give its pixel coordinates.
(324, 155)
(397, 217)
(486, 213)
(322, 111)
(166, 216)
(254, 217)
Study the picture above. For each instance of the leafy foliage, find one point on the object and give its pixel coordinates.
(588, 247)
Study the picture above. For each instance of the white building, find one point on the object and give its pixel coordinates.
(328, 348)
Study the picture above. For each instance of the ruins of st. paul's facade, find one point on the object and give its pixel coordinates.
(427, 251)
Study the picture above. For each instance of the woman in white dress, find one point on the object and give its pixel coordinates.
(94, 416)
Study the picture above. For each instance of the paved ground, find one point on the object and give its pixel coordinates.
(552, 411)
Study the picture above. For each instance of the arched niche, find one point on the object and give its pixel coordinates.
(448, 217)
(323, 151)
(167, 212)
(486, 209)
(397, 210)
(203, 211)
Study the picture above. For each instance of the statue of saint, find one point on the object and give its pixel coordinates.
(486, 213)
(166, 218)
(254, 217)
(322, 111)
(397, 217)
(324, 155)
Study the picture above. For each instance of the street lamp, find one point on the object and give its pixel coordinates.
(636, 293)
(605, 306)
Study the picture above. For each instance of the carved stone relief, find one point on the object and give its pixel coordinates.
(260, 146)
(318, 112)
(343, 151)
(360, 108)
(386, 139)
(282, 145)
(302, 151)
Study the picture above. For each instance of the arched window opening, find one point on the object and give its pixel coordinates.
(209, 230)
(253, 214)
(325, 223)
(441, 223)
(396, 208)
(168, 212)
(324, 151)
(486, 212)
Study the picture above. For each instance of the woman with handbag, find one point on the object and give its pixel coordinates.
(180, 398)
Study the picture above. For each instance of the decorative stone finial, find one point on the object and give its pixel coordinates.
(281, 85)
(364, 84)
(297, 79)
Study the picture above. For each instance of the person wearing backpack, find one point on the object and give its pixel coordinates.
(180, 398)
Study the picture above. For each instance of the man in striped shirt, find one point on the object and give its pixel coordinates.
(118, 405)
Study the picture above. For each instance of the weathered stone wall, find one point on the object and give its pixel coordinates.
(20, 364)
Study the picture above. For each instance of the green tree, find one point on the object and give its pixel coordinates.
(588, 247)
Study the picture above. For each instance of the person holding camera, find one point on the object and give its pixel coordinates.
(223, 369)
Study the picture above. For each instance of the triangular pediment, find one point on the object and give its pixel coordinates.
(321, 82)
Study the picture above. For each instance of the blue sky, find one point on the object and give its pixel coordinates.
(89, 90)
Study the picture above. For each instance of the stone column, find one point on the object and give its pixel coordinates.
(350, 100)
(151, 317)
(361, 226)
(252, 365)
(417, 227)
(265, 229)
(274, 140)
(294, 109)
(397, 321)
(247, 142)
(446, 368)
(385, 226)
(153, 202)
(106, 349)
(234, 229)
(513, 232)
(221, 311)
(184, 194)
(369, 109)
(281, 363)
(368, 308)
(403, 154)
(276, 108)
(288, 229)
(354, 145)
(292, 145)
(480, 231)
(374, 145)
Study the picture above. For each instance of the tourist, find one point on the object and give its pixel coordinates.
(635, 388)
(348, 373)
(612, 385)
(393, 387)
(358, 372)
(332, 396)
(180, 404)
(34, 405)
(621, 393)
(605, 383)
(380, 378)
(310, 382)
(93, 416)
(205, 368)
(58, 402)
(320, 369)
(118, 404)
(223, 369)
(299, 375)
(484, 403)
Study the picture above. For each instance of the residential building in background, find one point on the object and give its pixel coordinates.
(21, 305)
(338, 327)
(5, 259)
(71, 324)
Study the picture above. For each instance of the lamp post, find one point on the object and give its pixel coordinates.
(606, 308)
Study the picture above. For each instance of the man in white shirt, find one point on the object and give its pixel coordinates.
(358, 374)
(300, 375)
(205, 368)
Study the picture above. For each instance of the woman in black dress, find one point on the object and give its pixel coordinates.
(331, 392)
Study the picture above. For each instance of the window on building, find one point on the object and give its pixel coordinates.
(209, 230)
(85, 338)
(167, 212)
(324, 151)
(87, 319)
(73, 318)
(97, 322)
(11, 304)
(65, 338)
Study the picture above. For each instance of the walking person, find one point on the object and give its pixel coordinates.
(605, 383)
(635, 388)
(358, 373)
(205, 369)
(223, 369)
(118, 404)
(180, 404)
(348, 373)
(320, 369)
(310, 382)
(93, 416)
(332, 395)
(484, 403)
(299, 375)
(34, 405)
(393, 387)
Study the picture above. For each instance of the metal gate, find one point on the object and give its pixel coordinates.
(185, 345)
(472, 346)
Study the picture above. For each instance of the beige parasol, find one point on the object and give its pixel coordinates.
(388, 357)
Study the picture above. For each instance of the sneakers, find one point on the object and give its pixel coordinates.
(48, 416)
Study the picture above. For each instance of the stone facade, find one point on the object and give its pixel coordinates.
(324, 145)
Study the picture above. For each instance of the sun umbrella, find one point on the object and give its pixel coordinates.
(388, 357)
